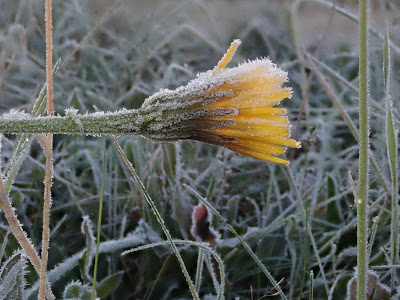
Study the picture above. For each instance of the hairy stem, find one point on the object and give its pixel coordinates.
(125, 122)
(49, 155)
(362, 201)
(19, 233)
(46, 215)
(17, 229)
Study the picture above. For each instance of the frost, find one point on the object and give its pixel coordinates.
(16, 115)
(143, 233)
(98, 114)
(87, 229)
(346, 253)
(233, 242)
(12, 274)
(375, 289)
(77, 290)
(200, 88)
(73, 113)
(120, 112)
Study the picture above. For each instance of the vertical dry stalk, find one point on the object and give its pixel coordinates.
(46, 215)
(16, 227)
(48, 152)
(19, 233)
(49, 58)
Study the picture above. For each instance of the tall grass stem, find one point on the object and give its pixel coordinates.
(96, 259)
(362, 200)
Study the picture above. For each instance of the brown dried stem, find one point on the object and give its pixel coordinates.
(48, 153)
(19, 233)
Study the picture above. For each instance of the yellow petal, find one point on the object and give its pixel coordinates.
(246, 100)
(263, 156)
(228, 55)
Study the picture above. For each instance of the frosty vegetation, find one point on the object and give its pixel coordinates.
(286, 230)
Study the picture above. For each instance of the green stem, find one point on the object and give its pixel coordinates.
(362, 201)
(96, 259)
(115, 123)
(311, 296)
(199, 270)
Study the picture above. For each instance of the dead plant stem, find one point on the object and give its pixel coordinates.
(48, 153)
(19, 233)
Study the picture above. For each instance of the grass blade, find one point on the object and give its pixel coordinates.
(205, 247)
(96, 259)
(311, 297)
(391, 144)
(159, 219)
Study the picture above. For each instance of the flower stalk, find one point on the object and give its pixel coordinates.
(229, 107)
(124, 122)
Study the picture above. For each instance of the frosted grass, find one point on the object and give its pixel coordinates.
(117, 66)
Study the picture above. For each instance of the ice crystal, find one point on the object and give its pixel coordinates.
(16, 115)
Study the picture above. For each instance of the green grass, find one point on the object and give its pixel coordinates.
(294, 228)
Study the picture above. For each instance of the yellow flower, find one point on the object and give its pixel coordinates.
(229, 107)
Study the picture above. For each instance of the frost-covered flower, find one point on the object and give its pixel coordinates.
(229, 107)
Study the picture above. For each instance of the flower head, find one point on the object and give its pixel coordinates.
(229, 107)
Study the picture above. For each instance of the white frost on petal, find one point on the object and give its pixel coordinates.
(201, 87)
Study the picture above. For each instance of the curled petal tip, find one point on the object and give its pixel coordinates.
(228, 55)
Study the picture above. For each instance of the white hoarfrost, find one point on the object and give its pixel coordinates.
(16, 115)
(200, 88)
